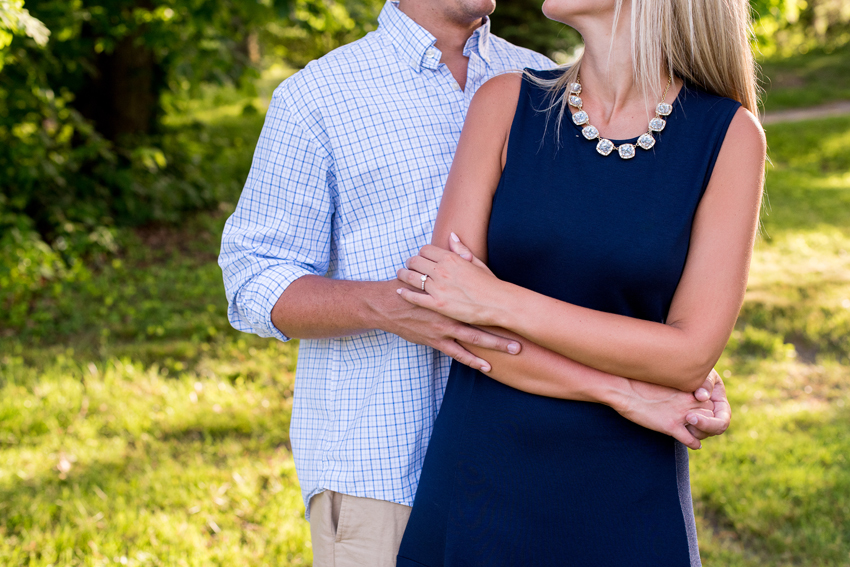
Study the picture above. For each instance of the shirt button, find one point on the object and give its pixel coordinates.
(430, 52)
(455, 86)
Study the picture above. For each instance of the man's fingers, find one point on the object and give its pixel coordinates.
(705, 391)
(685, 437)
(483, 339)
(696, 432)
(463, 356)
(709, 426)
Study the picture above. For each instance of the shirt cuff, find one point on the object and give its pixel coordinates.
(258, 297)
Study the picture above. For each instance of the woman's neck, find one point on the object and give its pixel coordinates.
(617, 104)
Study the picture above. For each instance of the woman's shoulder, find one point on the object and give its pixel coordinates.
(505, 90)
(499, 94)
(545, 74)
(707, 102)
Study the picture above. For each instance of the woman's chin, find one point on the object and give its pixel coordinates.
(571, 12)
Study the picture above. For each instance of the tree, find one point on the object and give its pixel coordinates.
(15, 20)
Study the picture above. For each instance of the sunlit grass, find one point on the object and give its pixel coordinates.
(117, 461)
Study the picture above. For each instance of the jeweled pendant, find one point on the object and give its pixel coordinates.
(657, 124)
(590, 132)
(627, 151)
(605, 146)
(664, 108)
(580, 118)
(575, 101)
(646, 141)
(575, 88)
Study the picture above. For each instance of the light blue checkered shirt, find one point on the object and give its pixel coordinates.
(345, 183)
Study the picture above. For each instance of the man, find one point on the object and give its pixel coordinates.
(345, 185)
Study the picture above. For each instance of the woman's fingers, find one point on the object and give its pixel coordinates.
(433, 253)
(420, 264)
(417, 298)
(411, 278)
(459, 248)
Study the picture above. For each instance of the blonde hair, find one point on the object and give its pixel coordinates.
(705, 42)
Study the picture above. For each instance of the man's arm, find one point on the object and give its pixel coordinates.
(315, 307)
(276, 251)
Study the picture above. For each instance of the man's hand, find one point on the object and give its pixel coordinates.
(702, 426)
(316, 307)
(425, 327)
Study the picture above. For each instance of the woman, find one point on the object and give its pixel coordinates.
(616, 249)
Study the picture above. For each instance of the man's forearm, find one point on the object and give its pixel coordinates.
(315, 307)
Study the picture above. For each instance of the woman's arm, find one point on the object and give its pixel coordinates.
(466, 204)
(540, 371)
(679, 353)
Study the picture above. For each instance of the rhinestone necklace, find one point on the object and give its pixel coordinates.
(606, 146)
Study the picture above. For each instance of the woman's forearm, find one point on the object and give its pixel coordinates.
(542, 372)
(538, 370)
(671, 355)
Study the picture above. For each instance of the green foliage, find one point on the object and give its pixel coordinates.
(522, 22)
(16, 20)
(315, 28)
(83, 144)
(40, 283)
(784, 27)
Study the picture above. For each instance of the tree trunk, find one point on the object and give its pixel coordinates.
(122, 98)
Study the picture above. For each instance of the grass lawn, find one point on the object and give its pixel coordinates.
(809, 79)
(137, 428)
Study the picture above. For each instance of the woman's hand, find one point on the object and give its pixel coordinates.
(456, 284)
(663, 409)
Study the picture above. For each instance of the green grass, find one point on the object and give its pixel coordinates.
(809, 79)
(137, 428)
(145, 431)
(775, 490)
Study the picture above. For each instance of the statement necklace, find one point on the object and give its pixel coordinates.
(606, 146)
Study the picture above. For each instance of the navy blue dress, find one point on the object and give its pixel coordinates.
(512, 478)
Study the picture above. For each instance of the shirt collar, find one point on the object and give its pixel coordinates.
(415, 45)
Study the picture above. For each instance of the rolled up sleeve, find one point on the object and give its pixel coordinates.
(281, 228)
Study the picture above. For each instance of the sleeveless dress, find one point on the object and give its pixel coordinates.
(511, 478)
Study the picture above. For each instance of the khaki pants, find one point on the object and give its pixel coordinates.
(349, 531)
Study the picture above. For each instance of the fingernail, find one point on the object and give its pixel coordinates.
(485, 368)
(702, 394)
(699, 446)
(467, 257)
(513, 348)
(398, 291)
(454, 237)
(692, 419)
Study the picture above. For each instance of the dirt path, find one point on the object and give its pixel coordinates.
(797, 114)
